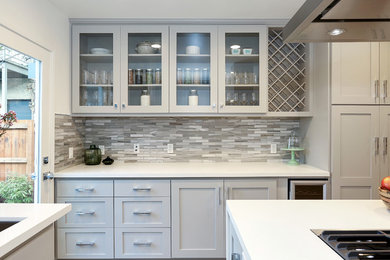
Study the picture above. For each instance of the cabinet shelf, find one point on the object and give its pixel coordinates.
(189, 58)
(97, 58)
(242, 58)
(144, 85)
(96, 85)
(193, 85)
(242, 85)
(144, 58)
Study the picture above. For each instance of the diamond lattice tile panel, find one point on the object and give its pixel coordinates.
(286, 74)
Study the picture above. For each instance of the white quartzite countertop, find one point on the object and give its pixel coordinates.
(191, 170)
(34, 218)
(280, 230)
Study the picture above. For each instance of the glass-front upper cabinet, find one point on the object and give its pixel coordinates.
(95, 70)
(243, 69)
(144, 64)
(193, 69)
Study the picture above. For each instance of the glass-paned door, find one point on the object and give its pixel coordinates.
(145, 74)
(96, 69)
(243, 78)
(19, 126)
(193, 69)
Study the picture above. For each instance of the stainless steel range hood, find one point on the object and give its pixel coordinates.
(358, 20)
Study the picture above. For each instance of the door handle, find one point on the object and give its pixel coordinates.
(219, 196)
(139, 243)
(84, 189)
(376, 89)
(48, 176)
(142, 189)
(85, 243)
(149, 212)
(384, 90)
(384, 145)
(376, 145)
(81, 213)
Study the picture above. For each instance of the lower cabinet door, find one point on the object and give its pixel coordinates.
(197, 219)
(142, 243)
(87, 243)
(251, 189)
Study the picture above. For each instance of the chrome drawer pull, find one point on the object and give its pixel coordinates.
(142, 189)
(384, 145)
(139, 243)
(80, 213)
(142, 212)
(85, 243)
(84, 189)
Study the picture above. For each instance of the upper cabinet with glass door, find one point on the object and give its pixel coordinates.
(193, 70)
(95, 70)
(144, 69)
(243, 69)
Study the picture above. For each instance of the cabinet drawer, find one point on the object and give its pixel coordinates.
(142, 212)
(84, 188)
(142, 188)
(85, 243)
(142, 243)
(88, 212)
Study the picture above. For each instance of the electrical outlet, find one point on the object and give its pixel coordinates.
(102, 149)
(136, 148)
(274, 148)
(70, 152)
(170, 148)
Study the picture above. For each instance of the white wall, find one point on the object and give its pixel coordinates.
(316, 130)
(41, 22)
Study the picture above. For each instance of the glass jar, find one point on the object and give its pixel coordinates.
(245, 78)
(157, 76)
(188, 76)
(205, 76)
(179, 76)
(138, 76)
(144, 76)
(243, 101)
(193, 98)
(145, 98)
(197, 76)
(149, 76)
(131, 76)
(235, 99)
(253, 101)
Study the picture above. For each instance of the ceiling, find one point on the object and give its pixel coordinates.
(179, 9)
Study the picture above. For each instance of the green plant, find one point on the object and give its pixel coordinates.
(17, 189)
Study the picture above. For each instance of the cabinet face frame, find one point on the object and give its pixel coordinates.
(95, 29)
(125, 31)
(213, 31)
(262, 30)
(384, 151)
(384, 52)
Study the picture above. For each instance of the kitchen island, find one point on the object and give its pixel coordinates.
(282, 229)
(34, 221)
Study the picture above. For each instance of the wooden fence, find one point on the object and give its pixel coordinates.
(17, 149)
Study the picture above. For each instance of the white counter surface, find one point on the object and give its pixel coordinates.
(191, 170)
(36, 217)
(281, 229)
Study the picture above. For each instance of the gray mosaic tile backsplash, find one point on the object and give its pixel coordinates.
(237, 139)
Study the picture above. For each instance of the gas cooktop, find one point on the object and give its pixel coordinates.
(357, 244)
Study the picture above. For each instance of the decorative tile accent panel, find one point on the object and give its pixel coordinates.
(237, 139)
(67, 134)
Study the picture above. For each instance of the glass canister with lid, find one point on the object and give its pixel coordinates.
(193, 98)
(145, 98)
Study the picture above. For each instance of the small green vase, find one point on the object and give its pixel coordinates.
(93, 155)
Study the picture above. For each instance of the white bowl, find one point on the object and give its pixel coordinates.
(193, 50)
(100, 51)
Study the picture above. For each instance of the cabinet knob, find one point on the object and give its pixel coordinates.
(116, 106)
(221, 106)
(123, 105)
(214, 106)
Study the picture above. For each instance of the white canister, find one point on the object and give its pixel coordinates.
(193, 98)
(193, 50)
(145, 98)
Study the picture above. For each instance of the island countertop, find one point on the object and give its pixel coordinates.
(33, 218)
(192, 170)
(282, 229)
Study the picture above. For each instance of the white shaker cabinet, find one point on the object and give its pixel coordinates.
(95, 69)
(197, 219)
(355, 152)
(247, 189)
(193, 69)
(384, 141)
(243, 64)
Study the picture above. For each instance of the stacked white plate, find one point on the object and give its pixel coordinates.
(100, 51)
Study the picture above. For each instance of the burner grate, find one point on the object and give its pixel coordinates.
(354, 245)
